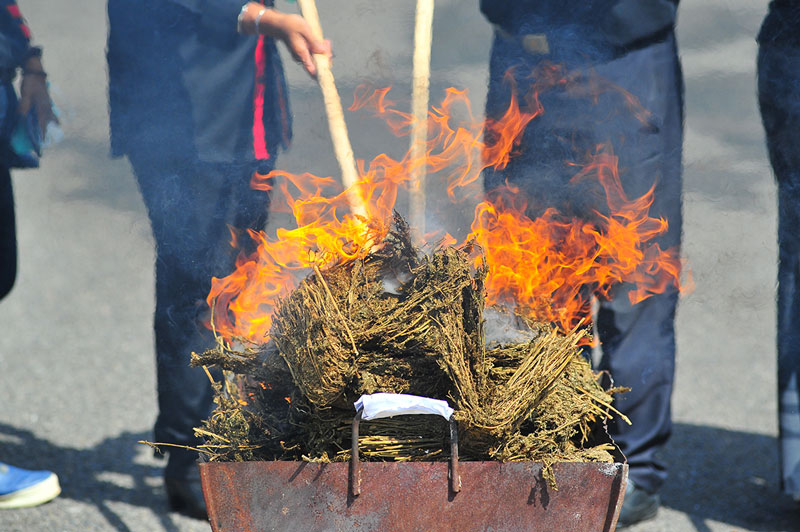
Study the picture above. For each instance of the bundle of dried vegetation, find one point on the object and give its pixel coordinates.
(402, 322)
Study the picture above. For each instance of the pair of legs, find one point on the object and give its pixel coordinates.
(638, 341)
(779, 94)
(190, 206)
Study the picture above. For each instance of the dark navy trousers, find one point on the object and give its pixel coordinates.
(638, 341)
(8, 224)
(190, 206)
(779, 99)
(8, 234)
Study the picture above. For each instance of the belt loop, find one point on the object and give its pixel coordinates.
(532, 43)
(536, 44)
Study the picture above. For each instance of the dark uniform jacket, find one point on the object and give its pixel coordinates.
(15, 49)
(607, 24)
(781, 23)
(14, 38)
(184, 85)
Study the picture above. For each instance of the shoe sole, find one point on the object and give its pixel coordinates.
(39, 493)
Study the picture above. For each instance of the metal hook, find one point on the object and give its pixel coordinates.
(355, 468)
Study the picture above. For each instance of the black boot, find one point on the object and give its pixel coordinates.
(182, 483)
(638, 506)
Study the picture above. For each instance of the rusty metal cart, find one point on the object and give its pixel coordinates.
(412, 496)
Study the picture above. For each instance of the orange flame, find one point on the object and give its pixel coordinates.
(548, 267)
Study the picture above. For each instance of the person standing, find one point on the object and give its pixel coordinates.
(779, 101)
(23, 123)
(628, 45)
(198, 103)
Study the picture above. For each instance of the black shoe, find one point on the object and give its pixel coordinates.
(186, 496)
(638, 506)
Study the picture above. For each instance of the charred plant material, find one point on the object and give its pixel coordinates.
(402, 322)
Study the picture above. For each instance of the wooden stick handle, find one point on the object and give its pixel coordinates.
(335, 114)
(423, 35)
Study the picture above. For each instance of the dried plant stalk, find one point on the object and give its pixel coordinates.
(398, 321)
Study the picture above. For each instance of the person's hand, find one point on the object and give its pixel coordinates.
(292, 29)
(296, 34)
(34, 94)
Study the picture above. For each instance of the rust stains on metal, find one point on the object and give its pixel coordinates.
(500, 497)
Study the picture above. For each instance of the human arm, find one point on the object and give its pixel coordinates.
(497, 11)
(34, 93)
(221, 18)
(292, 29)
(33, 90)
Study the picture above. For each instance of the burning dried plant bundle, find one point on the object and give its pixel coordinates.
(400, 322)
(561, 425)
(517, 379)
(311, 332)
(376, 324)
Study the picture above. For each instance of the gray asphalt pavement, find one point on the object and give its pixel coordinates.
(77, 383)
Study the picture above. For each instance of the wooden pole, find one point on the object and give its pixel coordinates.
(335, 114)
(423, 35)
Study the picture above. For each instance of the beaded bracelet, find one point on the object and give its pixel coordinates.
(258, 19)
(240, 19)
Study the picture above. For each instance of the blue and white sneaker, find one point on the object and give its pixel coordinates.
(21, 488)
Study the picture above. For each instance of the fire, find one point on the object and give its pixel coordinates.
(547, 267)
(551, 266)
